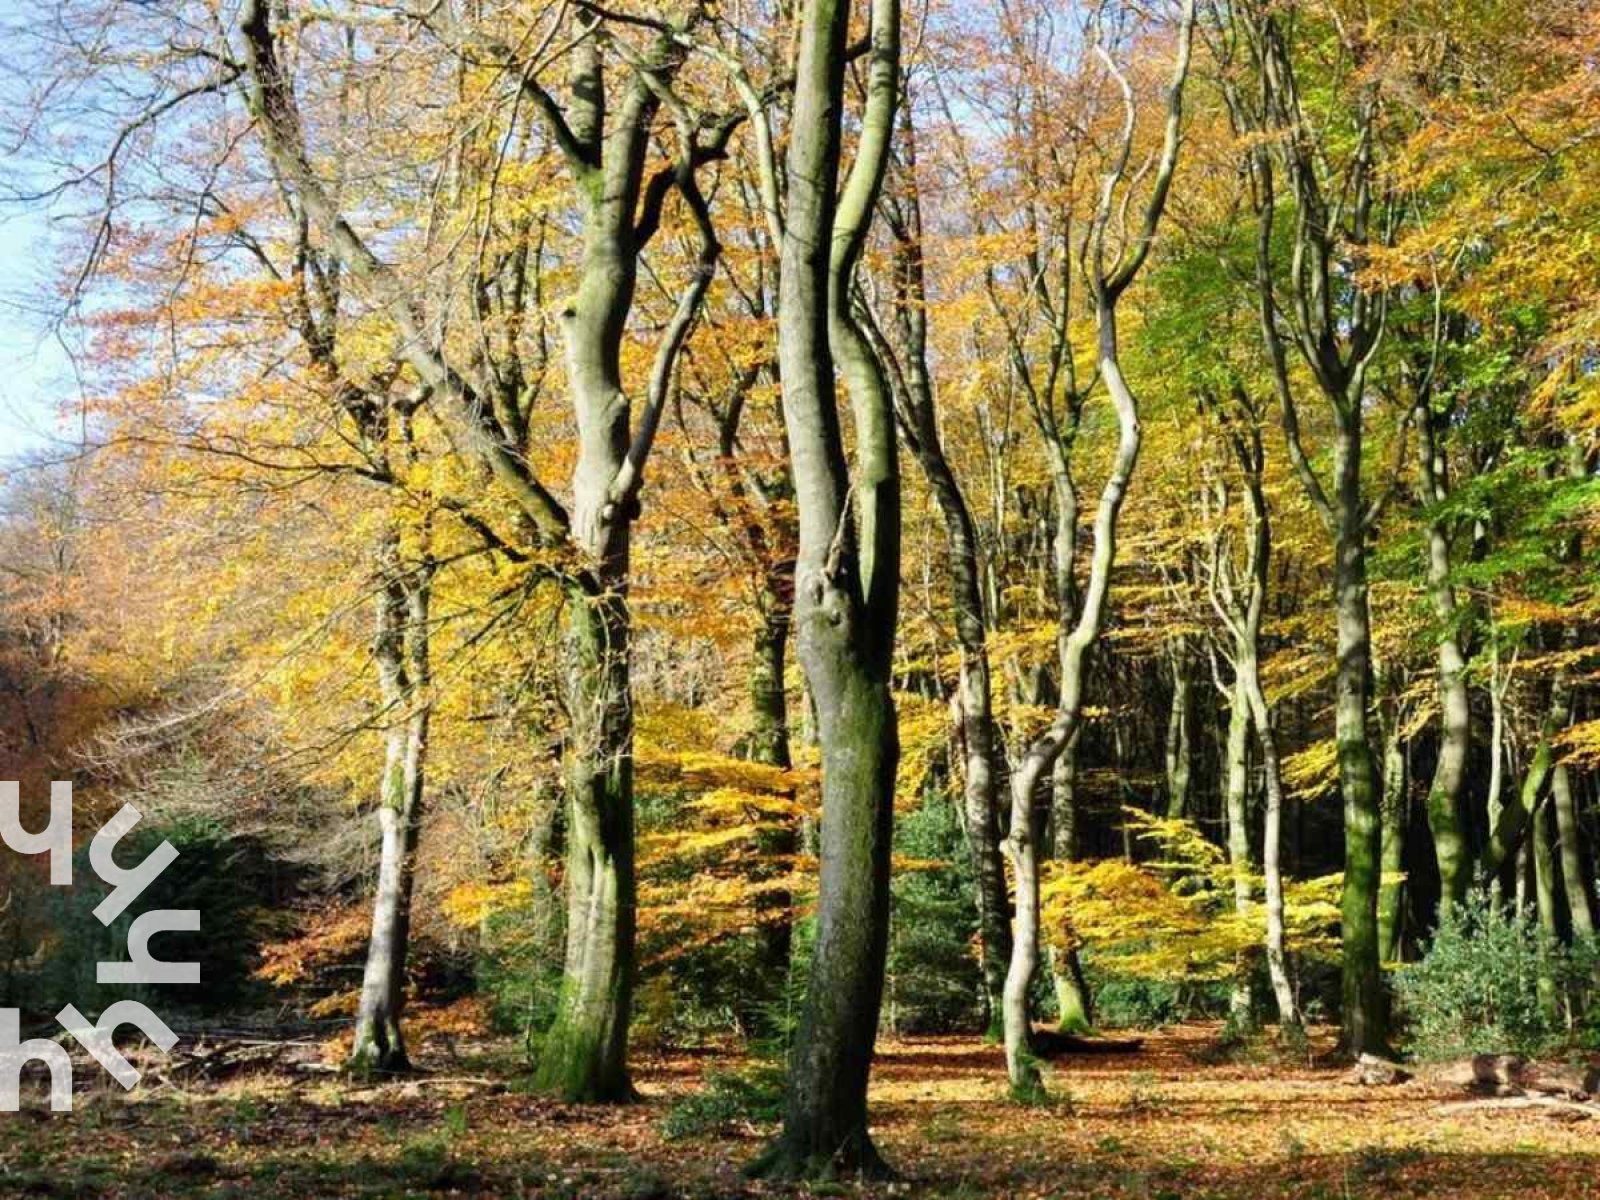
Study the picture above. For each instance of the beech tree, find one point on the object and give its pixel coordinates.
(847, 579)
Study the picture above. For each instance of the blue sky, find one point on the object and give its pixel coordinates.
(36, 381)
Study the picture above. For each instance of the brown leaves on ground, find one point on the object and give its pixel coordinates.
(1172, 1120)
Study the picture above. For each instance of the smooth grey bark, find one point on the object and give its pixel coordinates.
(1241, 603)
(905, 352)
(847, 583)
(1180, 727)
(1107, 281)
(1570, 832)
(1236, 802)
(1455, 709)
(1396, 806)
(401, 652)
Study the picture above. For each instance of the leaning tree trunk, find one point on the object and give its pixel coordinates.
(847, 581)
(1107, 282)
(400, 648)
(1023, 842)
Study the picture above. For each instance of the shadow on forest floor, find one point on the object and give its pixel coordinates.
(1160, 1124)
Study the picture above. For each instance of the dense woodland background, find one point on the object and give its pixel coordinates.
(555, 486)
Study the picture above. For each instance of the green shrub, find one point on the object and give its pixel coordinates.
(1130, 1002)
(1476, 988)
(219, 875)
(729, 1101)
(934, 983)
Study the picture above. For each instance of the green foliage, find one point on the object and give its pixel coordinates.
(1128, 1002)
(934, 981)
(1476, 989)
(731, 1101)
(217, 874)
(518, 970)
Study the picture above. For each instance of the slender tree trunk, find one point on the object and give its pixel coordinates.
(1271, 868)
(400, 648)
(769, 743)
(1362, 987)
(1236, 792)
(1455, 710)
(1107, 284)
(1544, 871)
(847, 579)
(983, 767)
(1180, 726)
(1570, 831)
(1396, 817)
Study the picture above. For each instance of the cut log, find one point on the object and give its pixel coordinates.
(1372, 1071)
(1509, 1075)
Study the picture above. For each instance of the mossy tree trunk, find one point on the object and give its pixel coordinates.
(401, 652)
(846, 584)
(603, 140)
(1336, 331)
(1455, 707)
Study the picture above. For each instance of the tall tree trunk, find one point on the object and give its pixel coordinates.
(1236, 792)
(1395, 819)
(982, 763)
(1107, 282)
(583, 1056)
(1180, 726)
(847, 580)
(400, 648)
(1570, 831)
(1362, 986)
(1455, 709)
(769, 743)
(1544, 872)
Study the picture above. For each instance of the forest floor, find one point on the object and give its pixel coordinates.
(1172, 1121)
